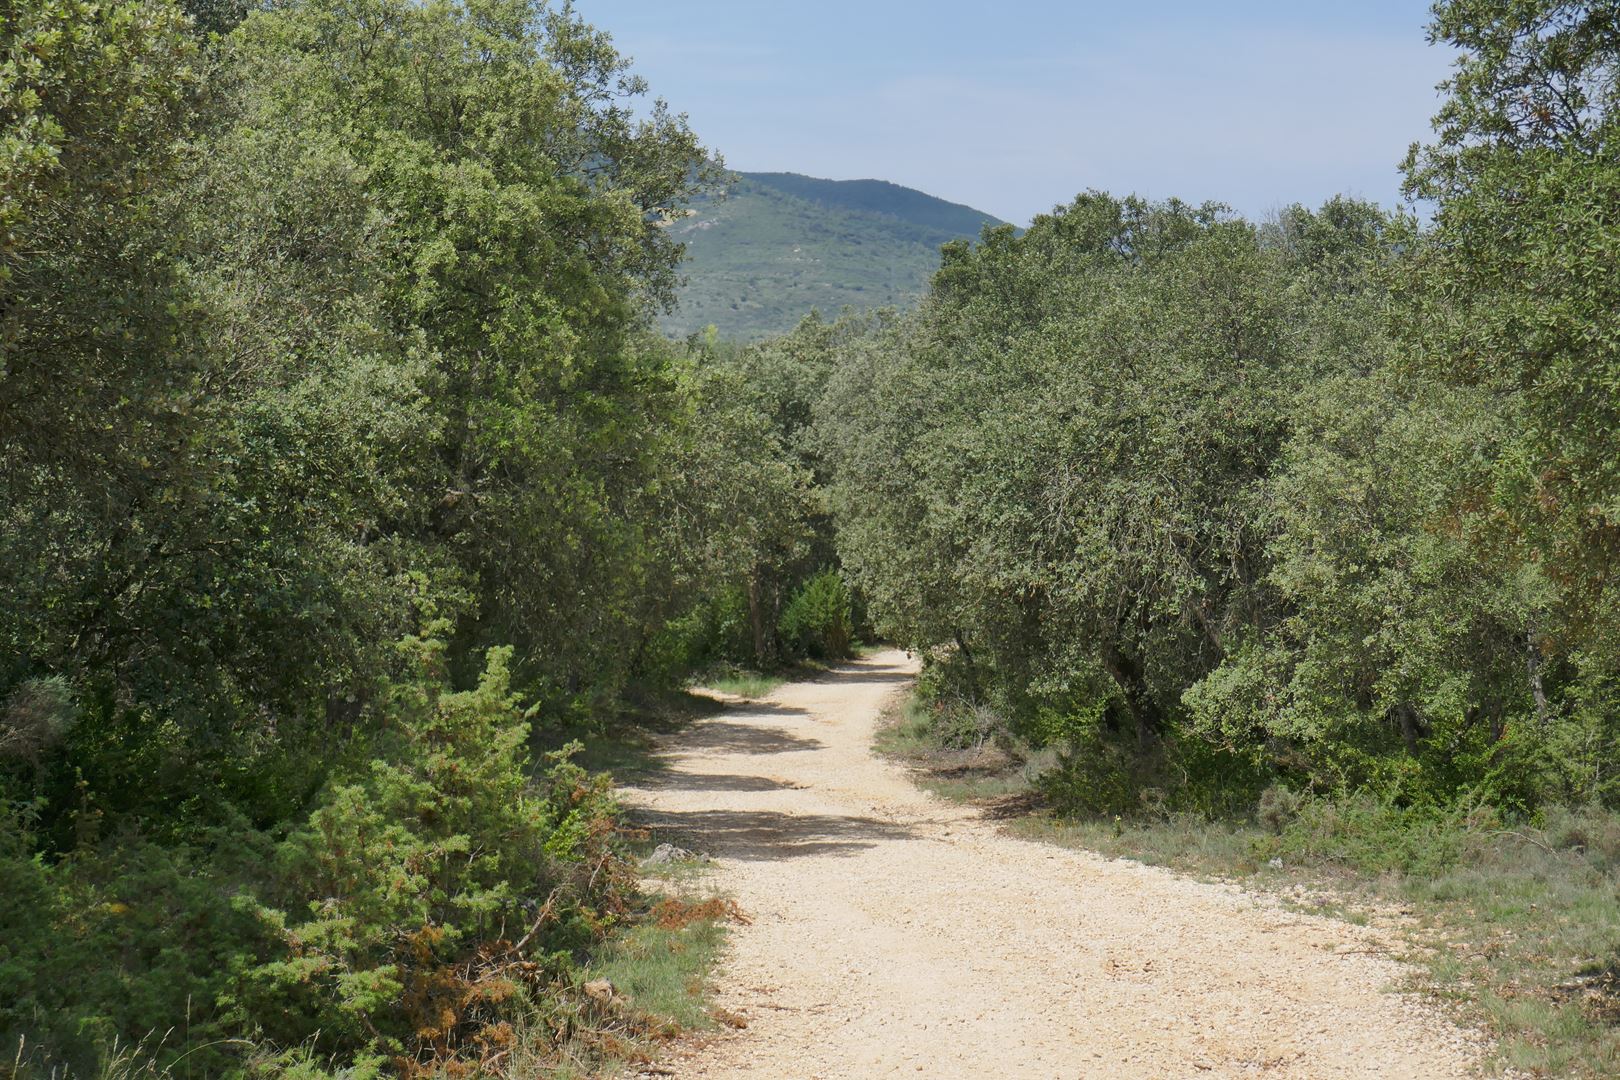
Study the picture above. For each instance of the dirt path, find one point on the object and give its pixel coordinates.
(896, 935)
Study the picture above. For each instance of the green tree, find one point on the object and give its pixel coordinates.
(1396, 659)
(1084, 415)
(1512, 290)
(317, 329)
(514, 203)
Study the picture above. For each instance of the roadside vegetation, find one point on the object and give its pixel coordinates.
(1229, 542)
(344, 491)
(353, 517)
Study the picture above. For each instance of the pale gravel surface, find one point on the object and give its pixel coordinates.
(894, 934)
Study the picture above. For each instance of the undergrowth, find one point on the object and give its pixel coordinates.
(452, 909)
(644, 987)
(748, 683)
(1514, 921)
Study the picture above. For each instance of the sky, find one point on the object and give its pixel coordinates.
(1016, 106)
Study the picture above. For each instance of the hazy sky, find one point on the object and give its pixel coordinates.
(1017, 105)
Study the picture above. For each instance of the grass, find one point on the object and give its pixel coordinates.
(1516, 927)
(648, 985)
(747, 684)
(660, 961)
(750, 684)
(662, 965)
(978, 773)
(120, 1061)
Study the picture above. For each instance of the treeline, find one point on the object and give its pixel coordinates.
(1326, 504)
(339, 467)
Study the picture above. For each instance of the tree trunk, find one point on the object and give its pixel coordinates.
(1413, 729)
(1127, 675)
(756, 620)
(1532, 664)
(972, 669)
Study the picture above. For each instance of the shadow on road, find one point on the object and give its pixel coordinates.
(764, 835)
(729, 736)
(868, 675)
(720, 782)
(764, 708)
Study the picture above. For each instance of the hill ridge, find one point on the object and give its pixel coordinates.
(781, 244)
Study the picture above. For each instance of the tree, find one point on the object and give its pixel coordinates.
(323, 326)
(515, 205)
(1083, 415)
(1513, 289)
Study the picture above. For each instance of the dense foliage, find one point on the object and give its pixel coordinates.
(1325, 502)
(340, 468)
(336, 458)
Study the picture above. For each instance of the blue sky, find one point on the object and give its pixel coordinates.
(1015, 106)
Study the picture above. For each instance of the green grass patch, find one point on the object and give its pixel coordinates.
(659, 962)
(907, 731)
(1516, 925)
(980, 773)
(662, 965)
(747, 684)
(750, 684)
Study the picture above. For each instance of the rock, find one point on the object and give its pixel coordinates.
(1275, 864)
(664, 854)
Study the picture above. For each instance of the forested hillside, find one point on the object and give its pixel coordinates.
(774, 246)
(345, 475)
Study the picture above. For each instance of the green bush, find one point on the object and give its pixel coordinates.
(121, 944)
(819, 621)
(712, 634)
(416, 914)
(1375, 835)
(1279, 806)
(423, 899)
(1106, 773)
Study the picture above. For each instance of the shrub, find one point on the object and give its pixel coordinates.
(425, 900)
(959, 725)
(819, 620)
(117, 953)
(1376, 835)
(1279, 805)
(711, 635)
(1102, 769)
(429, 905)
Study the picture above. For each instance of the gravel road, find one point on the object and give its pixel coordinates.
(894, 934)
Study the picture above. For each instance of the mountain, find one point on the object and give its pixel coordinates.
(779, 244)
